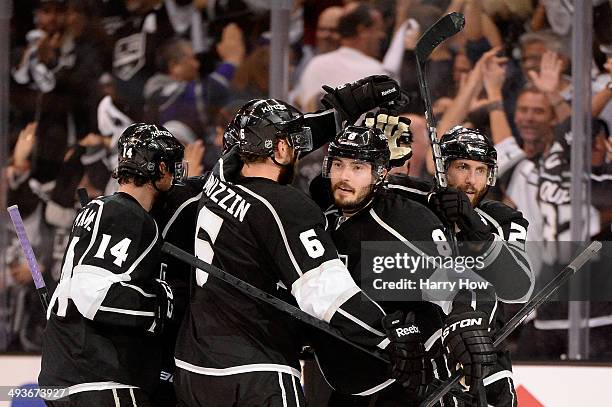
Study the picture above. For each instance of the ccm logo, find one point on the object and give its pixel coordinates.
(406, 331)
(462, 324)
(388, 91)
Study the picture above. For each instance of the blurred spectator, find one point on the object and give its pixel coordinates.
(252, 77)
(533, 47)
(361, 34)
(59, 66)
(327, 38)
(440, 65)
(177, 97)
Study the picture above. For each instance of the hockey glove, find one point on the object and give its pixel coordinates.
(165, 305)
(407, 352)
(455, 207)
(467, 340)
(397, 131)
(351, 100)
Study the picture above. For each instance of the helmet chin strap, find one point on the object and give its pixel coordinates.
(279, 164)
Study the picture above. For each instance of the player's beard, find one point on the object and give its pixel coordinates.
(353, 204)
(477, 194)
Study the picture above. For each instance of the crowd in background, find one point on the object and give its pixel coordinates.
(84, 70)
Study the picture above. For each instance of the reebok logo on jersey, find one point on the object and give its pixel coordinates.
(387, 92)
(461, 324)
(413, 329)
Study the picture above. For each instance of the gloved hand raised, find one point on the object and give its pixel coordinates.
(352, 100)
(397, 130)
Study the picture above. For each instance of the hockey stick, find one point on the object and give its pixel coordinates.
(41, 288)
(83, 197)
(442, 30)
(255, 292)
(552, 286)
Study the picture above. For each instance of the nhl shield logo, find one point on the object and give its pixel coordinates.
(129, 56)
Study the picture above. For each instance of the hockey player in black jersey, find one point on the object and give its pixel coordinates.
(499, 231)
(101, 340)
(233, 350)
(357, 164)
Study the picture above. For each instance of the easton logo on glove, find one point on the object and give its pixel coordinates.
(409, 330)
(461, 324)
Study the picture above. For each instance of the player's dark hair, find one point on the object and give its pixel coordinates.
(250, 158)
(137, 180)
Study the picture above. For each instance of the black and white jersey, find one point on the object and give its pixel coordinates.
(104, 305)
(273, 237)
(391, 217)
(506, 263)
(507, 267)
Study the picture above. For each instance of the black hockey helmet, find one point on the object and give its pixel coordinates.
(360, 143)
(469, 144)
(142, 147)
(260, 122)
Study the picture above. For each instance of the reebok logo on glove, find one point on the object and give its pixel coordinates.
(407, 331)
(462, 324)
(388, 91)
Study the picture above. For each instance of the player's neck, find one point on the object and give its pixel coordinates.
(261, 170)
(145, 195)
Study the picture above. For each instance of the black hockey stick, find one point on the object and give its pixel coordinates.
(83, 197)
(264, 296)
(552, 286)
(41, 288)
(442, 30)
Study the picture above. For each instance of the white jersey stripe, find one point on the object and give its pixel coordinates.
(127, 312)
(360, 322)
(282, 386)
(116, 398)
(228, 371)
(178, 211)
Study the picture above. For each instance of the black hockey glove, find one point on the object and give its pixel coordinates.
(165, 305)
(455, 207)
(407, 352)
(467, 340)
(351, 100)
(230, 164)
(397, 130)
